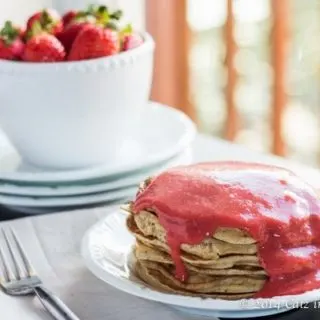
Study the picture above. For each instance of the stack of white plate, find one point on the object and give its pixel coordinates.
(163, 142)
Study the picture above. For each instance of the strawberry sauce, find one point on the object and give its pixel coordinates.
(277, 209)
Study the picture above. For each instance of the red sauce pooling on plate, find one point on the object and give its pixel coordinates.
(278, 210)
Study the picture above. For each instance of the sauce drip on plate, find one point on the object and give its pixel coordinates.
(276, 208)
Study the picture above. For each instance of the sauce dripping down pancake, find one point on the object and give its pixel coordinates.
(276, 208)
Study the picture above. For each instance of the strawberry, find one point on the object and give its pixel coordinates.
(131, 41)
(68, 35)
(94, 42)
(44, 47)
(11, 51)
(49, 19)
(69, 16)
(11, 45)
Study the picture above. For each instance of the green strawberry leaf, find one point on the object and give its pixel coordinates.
(35, 30)
(102, 9)
(126, 30)
(9, 33)
(45, 18)
(117, 15)
(103, 15)
(112, 26)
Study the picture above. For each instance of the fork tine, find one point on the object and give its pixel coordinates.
(27, 263)
(7, 273)
(20, 271)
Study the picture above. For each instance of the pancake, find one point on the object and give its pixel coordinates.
(197, 254)
(227, 230)
(159, 282)
(229, 235)
(225, 265)
(145, 253)
(200, 285)
(212, 248)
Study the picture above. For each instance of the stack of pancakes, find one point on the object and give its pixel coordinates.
(224, 266)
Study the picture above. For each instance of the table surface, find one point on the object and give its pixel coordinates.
(53, 244)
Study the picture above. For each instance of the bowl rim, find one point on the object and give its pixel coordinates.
(8, 66)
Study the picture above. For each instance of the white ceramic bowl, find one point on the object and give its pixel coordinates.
(75, 114)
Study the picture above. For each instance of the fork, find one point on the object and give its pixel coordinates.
(18, 278)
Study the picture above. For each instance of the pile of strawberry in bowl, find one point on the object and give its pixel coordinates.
(77, 35)
(74, 86)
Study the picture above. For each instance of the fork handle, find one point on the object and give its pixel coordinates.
(57, 309)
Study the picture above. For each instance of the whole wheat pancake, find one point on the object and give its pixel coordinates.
(149, 224)
(156, 279)
(225, 265)
(221, 263)
(200, 255)
(203, 283)
(145, 253)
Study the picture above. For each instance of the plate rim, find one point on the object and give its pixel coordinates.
(73, 189)
(51, 202)
(177, 300)
(106, 170)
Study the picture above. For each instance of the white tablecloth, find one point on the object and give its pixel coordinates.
(53, 243)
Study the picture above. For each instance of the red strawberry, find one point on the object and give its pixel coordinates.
(69, 16)
(11, 45)
(69, 34)
(94, 42)
(49, 20)
(44, 47)
(11, 51)
(131, 41)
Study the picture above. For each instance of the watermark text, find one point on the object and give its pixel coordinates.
(277, 304)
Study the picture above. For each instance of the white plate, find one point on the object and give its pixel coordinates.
(106, 249)
(149, 146)
(45, 210)
(33, 211)
(68, 201)
(90, 187)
